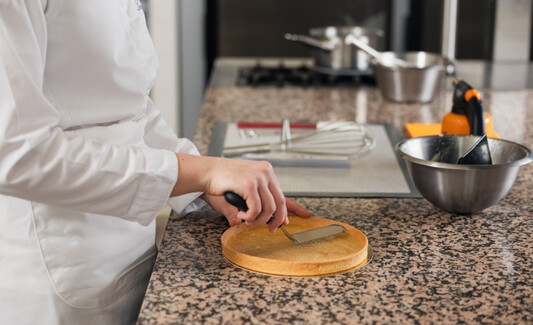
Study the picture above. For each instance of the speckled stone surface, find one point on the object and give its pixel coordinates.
(429, 266)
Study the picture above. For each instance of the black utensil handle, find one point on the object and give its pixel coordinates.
(236, 200)
(459, 102)
(476, 117)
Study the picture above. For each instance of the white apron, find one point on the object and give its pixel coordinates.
(86, 162)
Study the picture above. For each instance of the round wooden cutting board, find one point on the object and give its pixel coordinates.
(256, 249)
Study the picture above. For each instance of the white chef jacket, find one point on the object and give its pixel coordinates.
(86, 162)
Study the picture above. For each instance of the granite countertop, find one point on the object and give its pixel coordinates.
(429, 266)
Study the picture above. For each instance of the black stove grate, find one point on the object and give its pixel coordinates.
(300, 76)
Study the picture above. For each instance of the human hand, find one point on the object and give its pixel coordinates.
(219, 204)
(254, 181)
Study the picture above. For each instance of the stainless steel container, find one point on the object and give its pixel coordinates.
(419, 82)
(332, 55)
(462, 189)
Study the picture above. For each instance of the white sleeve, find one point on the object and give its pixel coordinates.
(158, 134)
(40, 162)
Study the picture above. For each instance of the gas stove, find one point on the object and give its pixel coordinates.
(281, 73)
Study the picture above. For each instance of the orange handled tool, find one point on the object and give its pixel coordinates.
(460, 120)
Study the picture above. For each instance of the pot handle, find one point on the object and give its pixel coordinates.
(353, 40)
(450, 66)
(323, 45)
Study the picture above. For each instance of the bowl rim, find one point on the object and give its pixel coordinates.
(441, 66)
(517, 163)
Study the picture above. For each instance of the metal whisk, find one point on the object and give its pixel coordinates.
(332, 138)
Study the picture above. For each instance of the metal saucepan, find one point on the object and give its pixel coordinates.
(332, 55)
(420, 81)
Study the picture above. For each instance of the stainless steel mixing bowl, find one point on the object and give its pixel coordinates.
(419, 82)
(461, 189)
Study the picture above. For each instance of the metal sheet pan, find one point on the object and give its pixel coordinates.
(379, 174)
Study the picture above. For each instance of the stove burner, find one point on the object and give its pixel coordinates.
(301, 76)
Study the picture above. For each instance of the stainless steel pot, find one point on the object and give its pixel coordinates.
(332, 55)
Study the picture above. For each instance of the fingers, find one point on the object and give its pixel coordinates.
(264, 198)
(233, 220)
(274, 211)
(266, 206)
(279, 217)
(292, 208)
(256, 183)
(269, 204)
(220, 205)
(295, 209)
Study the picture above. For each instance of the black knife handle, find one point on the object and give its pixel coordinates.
(235, 200)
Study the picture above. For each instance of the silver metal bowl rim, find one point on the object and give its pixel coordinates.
(527, 159)
(440, 66)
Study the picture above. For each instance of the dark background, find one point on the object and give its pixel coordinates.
(255, 28)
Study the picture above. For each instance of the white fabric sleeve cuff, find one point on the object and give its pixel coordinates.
(183, 204)
(153, 192)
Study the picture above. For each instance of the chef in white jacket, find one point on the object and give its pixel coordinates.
(86, 163)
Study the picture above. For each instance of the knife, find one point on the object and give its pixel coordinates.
(299, 237)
